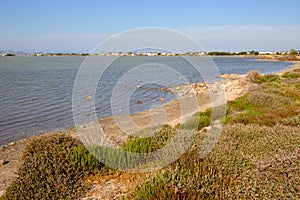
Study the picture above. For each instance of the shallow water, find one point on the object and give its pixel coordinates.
(36, 92)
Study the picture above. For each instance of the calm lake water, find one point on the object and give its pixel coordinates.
(36, 92)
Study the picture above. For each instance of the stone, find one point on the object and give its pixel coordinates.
(4, 162)
(89, 98)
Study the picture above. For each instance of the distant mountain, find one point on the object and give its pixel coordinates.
(13, 52)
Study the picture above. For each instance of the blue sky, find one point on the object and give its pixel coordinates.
(78, 26)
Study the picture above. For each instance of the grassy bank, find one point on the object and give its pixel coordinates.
(257, 156)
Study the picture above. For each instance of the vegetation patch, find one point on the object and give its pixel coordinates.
(48, 171)
(159, 137)
(291, 75)
(276, 101)
(198, 121)
(267, 78)
(257, 155)
(241, 166)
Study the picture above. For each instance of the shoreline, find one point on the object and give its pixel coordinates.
(235, 86)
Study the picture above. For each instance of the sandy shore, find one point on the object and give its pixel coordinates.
(175, 112)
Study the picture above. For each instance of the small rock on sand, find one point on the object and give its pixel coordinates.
(162, 100)
(89, 98)
(4, 162)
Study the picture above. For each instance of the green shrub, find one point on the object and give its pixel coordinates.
(267, 78)
(261, 100)
(198, 121)
(216, 53)
(163, 136)
(114, 157)
(249, 162)
(256, 156)
(247, 117)
(262, 108)
(241, 103)
(242, 53)
(47, 171)
(293, 121)
(139, 145)
(291, 75)
(160, 136)
(85, 160)
(132, 154)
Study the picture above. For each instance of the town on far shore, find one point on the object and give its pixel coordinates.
(211, 53)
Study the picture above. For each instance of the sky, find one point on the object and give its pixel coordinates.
(79, 26)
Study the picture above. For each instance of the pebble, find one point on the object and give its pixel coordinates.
(4, 162)
(162, 100)
(139, 102)
(89, 98)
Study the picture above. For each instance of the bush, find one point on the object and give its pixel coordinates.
(242, 53)
(249, 162)
(267, 78)
(132, 154)
(216, 53)
(266, 100)
(159, 138)
(47, 170)
(258, 159)
(293, 52)
(291, 75)
(261, 108)
(139, 145)
(293, 121)
(198, 121)
(241, 103)
(84, 160)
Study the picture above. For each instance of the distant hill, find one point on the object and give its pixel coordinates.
(13, 52)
